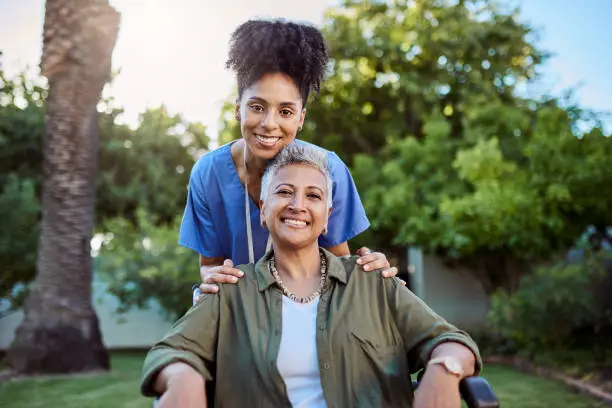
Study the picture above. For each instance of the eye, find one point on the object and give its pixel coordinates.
(256, 108)
(286, 113)
(314, 196)
(283, 192)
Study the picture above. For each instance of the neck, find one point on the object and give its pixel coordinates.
(298, 264)
(256, 165)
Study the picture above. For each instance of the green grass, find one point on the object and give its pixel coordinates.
(119, 389)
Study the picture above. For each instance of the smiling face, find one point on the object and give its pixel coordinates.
(295, 209)
(271, 112)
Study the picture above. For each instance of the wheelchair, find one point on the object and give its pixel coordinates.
(475, 391)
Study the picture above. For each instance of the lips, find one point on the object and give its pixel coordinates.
(268, 141)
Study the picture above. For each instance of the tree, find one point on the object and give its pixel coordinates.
(21, 130)
(423, 100)
(60, 330)
(145, 169)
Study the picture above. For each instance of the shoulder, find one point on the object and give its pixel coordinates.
(356, 273)
(211, 169)
(245, 285)
(211, 160)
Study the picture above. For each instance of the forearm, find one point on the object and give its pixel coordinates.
(458, 351)
(180, 386)
(210, 262)
(173, 374)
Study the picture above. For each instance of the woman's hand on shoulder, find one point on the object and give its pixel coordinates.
(214, 274)
(376, 261)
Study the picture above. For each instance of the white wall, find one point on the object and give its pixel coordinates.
(453, 293)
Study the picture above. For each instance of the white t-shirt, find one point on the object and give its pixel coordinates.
(297, 357)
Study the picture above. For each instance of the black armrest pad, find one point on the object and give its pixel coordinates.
(477, 393)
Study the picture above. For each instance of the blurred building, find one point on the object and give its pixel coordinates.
(453, 293)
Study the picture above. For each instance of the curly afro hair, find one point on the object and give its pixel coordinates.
(259, 47)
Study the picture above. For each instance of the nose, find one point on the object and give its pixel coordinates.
(297, 203)
(269, 121)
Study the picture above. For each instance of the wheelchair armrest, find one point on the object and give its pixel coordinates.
(475, 391)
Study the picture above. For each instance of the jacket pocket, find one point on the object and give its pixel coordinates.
(384, 356)
(381, 370)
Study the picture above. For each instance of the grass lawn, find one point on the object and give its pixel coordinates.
(119, 389)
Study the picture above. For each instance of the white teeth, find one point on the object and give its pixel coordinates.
(295, 223)
(268, 141)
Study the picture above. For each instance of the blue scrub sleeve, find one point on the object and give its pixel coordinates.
(348, 217)
(197, 231)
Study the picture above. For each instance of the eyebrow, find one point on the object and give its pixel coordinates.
(262, 100)
(293, 187)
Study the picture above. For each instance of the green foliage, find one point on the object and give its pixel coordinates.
(147, 167)
(550, 308)
(423, 101)
(20, 211)
(229, 127)
(143, 260)
(21, 129)
(394, 63)
(142, 169)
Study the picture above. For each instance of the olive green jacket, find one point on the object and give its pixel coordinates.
(372, 333)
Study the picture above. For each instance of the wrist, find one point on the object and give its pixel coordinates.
(450, 364)
(440, 375)
(178, 375)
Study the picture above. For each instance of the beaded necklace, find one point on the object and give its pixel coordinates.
(285, 289)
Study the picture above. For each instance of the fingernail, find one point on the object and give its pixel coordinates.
(359, 261)
(366, 268)
(241, 273)
(234, 279)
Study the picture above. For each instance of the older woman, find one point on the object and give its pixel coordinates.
(278, 65)
(305, 328)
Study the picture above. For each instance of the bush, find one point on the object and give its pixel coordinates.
(144, 262)
(555, 309)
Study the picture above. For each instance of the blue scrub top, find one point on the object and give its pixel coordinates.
(214, 223)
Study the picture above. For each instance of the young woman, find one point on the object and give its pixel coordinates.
(278, 65)
(305, 328)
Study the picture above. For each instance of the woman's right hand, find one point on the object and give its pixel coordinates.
(213, 274)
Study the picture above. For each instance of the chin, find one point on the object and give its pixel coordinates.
(295, 242)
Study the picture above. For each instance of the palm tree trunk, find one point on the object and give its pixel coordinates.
(60, 330)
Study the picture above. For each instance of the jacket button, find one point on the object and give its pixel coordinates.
(322, 327)
(326, 366)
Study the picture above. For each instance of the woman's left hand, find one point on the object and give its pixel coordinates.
(374, 261)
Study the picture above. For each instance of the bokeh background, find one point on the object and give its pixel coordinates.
(478, 133)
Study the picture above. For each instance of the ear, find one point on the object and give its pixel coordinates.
(302, 117)
(237, 111)
(262, 213)
(329, 212)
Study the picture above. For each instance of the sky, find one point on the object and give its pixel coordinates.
(174, 52)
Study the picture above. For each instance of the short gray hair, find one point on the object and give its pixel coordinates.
(298, 153)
